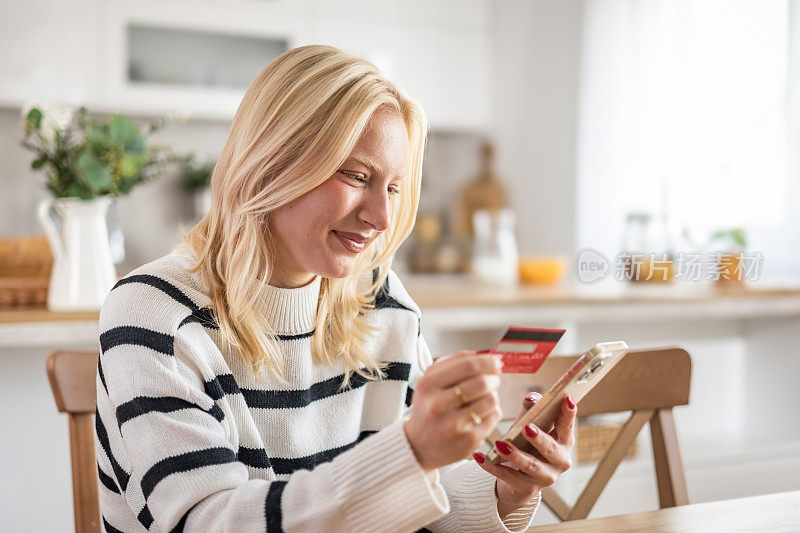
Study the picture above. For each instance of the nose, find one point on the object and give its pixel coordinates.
(377, 210)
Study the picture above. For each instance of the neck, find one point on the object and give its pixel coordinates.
(282, 279)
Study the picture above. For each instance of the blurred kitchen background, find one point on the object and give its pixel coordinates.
(559, 128)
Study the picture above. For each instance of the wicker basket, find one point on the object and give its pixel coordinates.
(593, 438)
(25, 265)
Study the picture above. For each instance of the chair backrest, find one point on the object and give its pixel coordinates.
(72, 379)
(649, 383)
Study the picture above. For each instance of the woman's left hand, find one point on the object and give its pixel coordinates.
(521, 476)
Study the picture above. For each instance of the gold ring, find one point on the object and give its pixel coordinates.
(461, 395)
(475, 418)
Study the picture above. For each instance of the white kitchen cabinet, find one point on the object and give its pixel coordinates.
(83, 53)
(441, 63)
(447, 70)
(246, 29)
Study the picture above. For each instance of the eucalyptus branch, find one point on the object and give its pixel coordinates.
(85, 157)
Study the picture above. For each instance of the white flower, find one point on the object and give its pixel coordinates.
(55, 117)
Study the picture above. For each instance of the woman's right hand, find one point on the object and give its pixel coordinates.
(442, 429)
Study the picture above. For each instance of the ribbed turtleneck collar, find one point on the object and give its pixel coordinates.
(292, 311)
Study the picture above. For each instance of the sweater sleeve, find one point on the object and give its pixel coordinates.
(173, 450)
(471, 493)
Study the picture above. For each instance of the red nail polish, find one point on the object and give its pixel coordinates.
(570, 403)
(478, 457)
(502, 447)
(531, 431)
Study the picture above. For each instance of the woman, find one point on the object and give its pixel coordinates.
(260, 375)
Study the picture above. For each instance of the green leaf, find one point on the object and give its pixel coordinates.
(123, 130)
(125, 186)
(97, 137)
(34, 118)
(128, 166)
(738, 236)
(78, 190)
(136, 146)
(96, 175)
(38, 163)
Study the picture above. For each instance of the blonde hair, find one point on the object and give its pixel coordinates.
(295, 126)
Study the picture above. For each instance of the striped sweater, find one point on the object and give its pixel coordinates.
(188, 440)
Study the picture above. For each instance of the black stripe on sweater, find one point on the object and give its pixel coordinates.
(221, 385)
(182, 522)
(257, 458)
(203, 316)
(102, 436)
(298, 336)
(166, 404)
(409, 395)
(164, 286)
(106, 480)
(144, 517)
(183, 463)
(287, 399)
(109, 528)
(254, 457)
(160, 342)
(272, 507)
(102, 376)
(382, 298)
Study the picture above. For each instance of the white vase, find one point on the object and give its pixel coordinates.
(83, 272)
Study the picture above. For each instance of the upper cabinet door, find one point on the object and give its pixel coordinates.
(438, 51)
(191, 57)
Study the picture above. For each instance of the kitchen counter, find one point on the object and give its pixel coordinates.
(431, 291)
(41, 314)
(455, 309)
(38, 327)
(458, 303)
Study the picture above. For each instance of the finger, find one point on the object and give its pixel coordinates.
(537, 469)
(490, 421)
(520, 482)
(472, 389)
(529, 401)
(550, 450)
(459, 368)
(565, 422)
(488, 413)
(442, 358)
(484, 407)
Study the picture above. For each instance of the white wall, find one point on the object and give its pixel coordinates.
(534, 75)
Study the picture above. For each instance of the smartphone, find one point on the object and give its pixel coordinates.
(576, 382)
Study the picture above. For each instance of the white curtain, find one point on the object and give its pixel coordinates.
(683, 109)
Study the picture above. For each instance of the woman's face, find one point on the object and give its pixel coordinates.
(323, 231)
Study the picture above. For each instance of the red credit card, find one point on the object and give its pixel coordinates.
(523, 350)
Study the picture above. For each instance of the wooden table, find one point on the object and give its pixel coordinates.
(38, 327)
(772, 512)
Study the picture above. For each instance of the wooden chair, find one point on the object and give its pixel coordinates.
(72, 378)
(649, 383)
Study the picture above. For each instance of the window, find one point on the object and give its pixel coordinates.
(684, 110)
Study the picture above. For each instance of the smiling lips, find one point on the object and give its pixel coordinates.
(355, 242)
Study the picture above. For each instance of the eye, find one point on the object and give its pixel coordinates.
(354, 176)
(394, 190)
